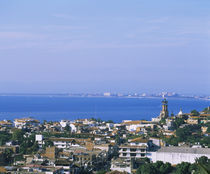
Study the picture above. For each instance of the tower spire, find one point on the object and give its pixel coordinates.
(164, 112)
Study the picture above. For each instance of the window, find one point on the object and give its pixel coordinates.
(124, 149)
(133, 150)
(133, 154)
(124, 154)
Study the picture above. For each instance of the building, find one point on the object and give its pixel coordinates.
(64, 123)
(180, 113)
(64, 143)
(137, 148)
(40, 140)
(164, 113)
(176, 155)
(121, 165)
(5, 123)
(51, 152)
(25, 122)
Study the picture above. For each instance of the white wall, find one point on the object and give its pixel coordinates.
(175, 158)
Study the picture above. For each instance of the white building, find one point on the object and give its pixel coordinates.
(180, 113)
(24, 122)
(134, 125)
(137, 148)
(176, 155)
(40, 140)
(121, 165)
(73, 127)
(64, 123)
(64, 143)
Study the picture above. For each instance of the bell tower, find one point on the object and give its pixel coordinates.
(164, 113)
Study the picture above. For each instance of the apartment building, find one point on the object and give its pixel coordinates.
(136, 148)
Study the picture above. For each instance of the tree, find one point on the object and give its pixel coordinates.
(18, 135)
(29, 145)
(206, 110)
(101, 172)
(48, 143)
(109, 121)
(6, 157)
(202, 165)
(162, 121)
(172, 141)
(185, 133)
(165, 168)
(204, 169)
(183, 168)
(4, 137)
(162, 168)
(67, 128)
(195, 113)
(178, 122)
(145, 160)
(147, 168)
(202, 160)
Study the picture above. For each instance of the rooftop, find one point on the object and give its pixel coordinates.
(172, 149)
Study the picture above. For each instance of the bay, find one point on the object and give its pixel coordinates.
(71, 108)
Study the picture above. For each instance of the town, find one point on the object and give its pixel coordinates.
(169, 143)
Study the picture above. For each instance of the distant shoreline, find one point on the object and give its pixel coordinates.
(94, 96)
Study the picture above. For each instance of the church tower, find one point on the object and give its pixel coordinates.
(164, 113)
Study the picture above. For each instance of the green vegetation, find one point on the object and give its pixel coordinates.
(188, 134)
(29, 145)
(17, 135)
(109, 121)
(195, 113)
(67, 128)
(6, 157)
(178, 122)
(155, 168)
(4, 137)
(96, 119)
(206, 111)
(162, 121)
(201, 166)
(207, 125)
(101, 172)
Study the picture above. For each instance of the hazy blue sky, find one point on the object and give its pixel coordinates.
(105, 45)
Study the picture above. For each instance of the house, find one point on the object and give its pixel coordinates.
(25, 122)
(40, 140)
(193, 120)
(51, 153)
(133, 126)
(5, 123)
(64, 143)
(121, 165)
(64, 123)
(64, 164)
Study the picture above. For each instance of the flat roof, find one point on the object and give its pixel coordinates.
(173, 149)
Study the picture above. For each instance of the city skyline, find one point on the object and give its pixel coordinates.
(91, 46)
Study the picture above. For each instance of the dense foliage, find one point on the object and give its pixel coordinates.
(4, 137)
(201, 166)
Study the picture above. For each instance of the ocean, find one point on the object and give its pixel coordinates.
(71, 108)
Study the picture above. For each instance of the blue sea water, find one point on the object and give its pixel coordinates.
(116, 109)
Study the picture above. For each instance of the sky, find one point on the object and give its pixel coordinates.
(59, 46)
